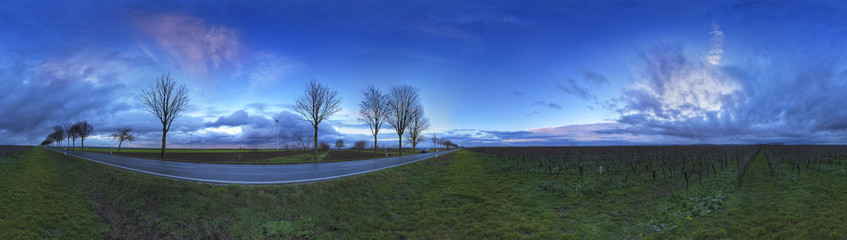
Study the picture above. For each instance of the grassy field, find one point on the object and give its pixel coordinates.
(463, 195)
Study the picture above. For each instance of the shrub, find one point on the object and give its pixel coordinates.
(360, 145)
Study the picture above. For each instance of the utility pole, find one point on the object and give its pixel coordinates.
(277, 133)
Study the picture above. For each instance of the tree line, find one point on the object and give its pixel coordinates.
(82, 130)
(167, 99)
(70, 133)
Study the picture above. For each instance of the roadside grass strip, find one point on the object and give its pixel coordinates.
(38, 199)
(462, 195)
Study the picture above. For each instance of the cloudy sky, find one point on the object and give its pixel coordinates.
(490, 72)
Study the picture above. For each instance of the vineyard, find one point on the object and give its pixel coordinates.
(8, 150)
(681, 183)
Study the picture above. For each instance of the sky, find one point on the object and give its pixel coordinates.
(490, 73)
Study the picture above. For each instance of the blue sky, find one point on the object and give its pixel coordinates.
(490, 72)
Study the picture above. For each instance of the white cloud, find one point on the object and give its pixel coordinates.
(452, 33)
(716, 40)
(270, 68)
(197, 47)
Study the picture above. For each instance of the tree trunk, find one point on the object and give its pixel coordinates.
(400, 148)
(82, 145)
(164, 136)
(315, 150)
(119, 146)
(73, 147)
(374, 144)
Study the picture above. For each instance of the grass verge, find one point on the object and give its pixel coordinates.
(462, 195)
(38, 199)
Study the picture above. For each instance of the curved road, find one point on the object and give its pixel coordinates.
(251, 174)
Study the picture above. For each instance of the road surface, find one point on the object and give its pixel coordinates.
(250, 174)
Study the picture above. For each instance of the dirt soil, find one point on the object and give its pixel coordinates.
(214, 157)
(11, 149)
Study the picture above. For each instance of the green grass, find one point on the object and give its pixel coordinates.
(39, 200)
(812, 205)
(463, 195)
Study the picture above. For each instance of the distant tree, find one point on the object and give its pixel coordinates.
(46, 141)
(166, 99)
(402, 102)
(58, 135)
(447, 143)
(435, 142)
(418, 124)
(324, 146)
(74, 132)
(122, 134)
(317, 104)
(360, 145)
(84, 130)
(67, 128)
(374, 110)
(339, 144)
(299, 136)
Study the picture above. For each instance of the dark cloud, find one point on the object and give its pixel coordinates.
(545, 104)
(570, 86)
(554, 106)
(260, 130)
(600, 134)
(237, 118)
(595, 78)
(85, 86)
(792, 101)
(582, 89)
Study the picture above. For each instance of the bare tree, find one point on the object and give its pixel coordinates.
(122, 134)
(374, 110)
(402, 102)
(67, 128)
(360, 145)
(84, 130)
(47, 141)
(418, 124)
(166, 99)
(73, 131)
(58, 135)
(299, 136)
(339, 144)
(435, 142)
(317, 104)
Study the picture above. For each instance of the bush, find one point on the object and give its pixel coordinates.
(360, 145)
(324, 146)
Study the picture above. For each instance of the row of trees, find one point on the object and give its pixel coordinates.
(70, 132)
(166, 99)
(401, 109)
(82, 130)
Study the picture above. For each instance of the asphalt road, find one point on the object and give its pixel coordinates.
(250, 174)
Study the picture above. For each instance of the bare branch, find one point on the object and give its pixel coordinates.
(402, 102)
(417, 125)
(165, 99)
(317, 104)
(374, 110)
